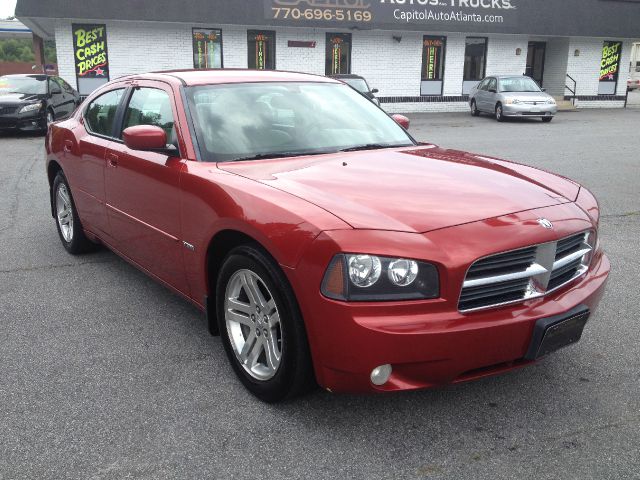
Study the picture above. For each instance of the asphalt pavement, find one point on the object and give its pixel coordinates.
(104, 374)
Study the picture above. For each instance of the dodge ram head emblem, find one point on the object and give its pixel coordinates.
(545, 223)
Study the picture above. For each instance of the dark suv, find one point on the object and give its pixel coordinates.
(31, 102)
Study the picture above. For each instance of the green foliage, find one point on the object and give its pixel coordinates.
(21, 50)
(16, 50)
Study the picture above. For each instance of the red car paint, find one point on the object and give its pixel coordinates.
(445, 207)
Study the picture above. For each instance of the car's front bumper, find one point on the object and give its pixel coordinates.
(430, 343)
(529, 110)
(29, 121)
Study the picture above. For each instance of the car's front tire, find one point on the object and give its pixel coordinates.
(67, 221)
(261, 327)
(499, 113)
(547, 119)
(474, 109)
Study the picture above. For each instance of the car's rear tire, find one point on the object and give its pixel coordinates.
(474, 109)
(261, 327)
(67, 221)
(499, 113)
(547, 119)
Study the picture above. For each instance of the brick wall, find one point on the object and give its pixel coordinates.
(391, 65)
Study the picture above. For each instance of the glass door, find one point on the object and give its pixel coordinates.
(535, 61)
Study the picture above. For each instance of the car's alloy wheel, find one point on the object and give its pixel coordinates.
(64, 212)
(50, 117)
(261, 326)
(499, 113)
(68, 223)
(253, 324)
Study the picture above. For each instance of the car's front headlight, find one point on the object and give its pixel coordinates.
(31, 107)
(362, 277)
(513, 101)
(551, 101)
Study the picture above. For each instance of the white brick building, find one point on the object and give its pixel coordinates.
(395, 58)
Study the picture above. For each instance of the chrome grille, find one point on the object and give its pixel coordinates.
(525, 273)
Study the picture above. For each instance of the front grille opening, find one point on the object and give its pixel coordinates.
(564, 274)
(493, 294)
(503, 264)
(569, 245)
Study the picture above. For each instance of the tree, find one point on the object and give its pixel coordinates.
(21, 50)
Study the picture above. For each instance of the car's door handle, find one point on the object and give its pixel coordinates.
(112, 160)
(68, 145)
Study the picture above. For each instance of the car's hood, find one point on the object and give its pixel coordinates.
(18, 98)
(412, 189)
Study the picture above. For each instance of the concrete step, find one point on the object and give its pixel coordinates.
(565, 105)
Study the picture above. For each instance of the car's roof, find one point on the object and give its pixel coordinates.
(215, 76)
(508, 76)
(345, 75)
(38, 76)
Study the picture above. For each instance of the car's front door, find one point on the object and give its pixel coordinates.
(143, 188)
(490, 96)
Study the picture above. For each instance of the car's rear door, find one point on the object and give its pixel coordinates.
(143, 195)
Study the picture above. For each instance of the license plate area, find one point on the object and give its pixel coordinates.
(553, 333)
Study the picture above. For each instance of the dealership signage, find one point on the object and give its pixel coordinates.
(91, 57)
(372, 13)
(90, 51)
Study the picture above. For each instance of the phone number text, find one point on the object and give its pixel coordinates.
(329, 14)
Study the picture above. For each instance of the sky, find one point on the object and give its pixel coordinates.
(7, 7)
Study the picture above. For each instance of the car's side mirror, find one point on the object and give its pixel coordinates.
(493, 90)
(147, 138)
(56, 90)
(375, 90)
(401, 120)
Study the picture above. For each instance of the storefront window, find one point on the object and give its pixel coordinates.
(338, 56)
(609, 68)
(475, 61)
(433, 51)
(262, 49)
(207, 48)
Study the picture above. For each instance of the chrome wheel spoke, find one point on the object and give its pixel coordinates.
(237, 305)
(272, 352)
(248, 347)
(274, 320)
(239, 318)
(252, 285)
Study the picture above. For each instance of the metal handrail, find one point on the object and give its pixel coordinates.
(573, 91)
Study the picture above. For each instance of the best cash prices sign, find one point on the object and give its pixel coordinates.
(91, 57)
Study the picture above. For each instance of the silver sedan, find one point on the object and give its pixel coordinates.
(511, 96)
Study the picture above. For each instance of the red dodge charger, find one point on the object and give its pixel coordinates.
(324, 244)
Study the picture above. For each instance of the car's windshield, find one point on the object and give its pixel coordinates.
(518, 84)
(25, 85)
(358, 83)
(244, 121)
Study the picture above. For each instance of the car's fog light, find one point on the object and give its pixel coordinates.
(380, 375)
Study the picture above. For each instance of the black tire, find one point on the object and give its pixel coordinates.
(547, 119)
(499, 113)
(77, 242)
(294, 375)
(474, 109)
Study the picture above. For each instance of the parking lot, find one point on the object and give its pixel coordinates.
(104, 374)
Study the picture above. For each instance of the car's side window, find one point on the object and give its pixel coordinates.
(65, 86)
(53, 86)
(101, 113)
(483, 84)
(493, 84)
(150, 106)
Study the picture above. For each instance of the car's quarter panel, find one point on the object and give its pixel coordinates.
(215, 201)
(430, 342)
